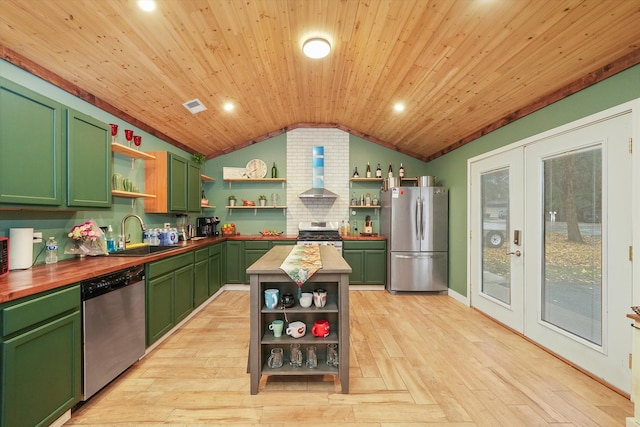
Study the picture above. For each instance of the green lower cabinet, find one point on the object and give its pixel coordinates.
(253, 251)
(216, 270)
(235, 266)
(169, 293)
(368, 261)
(40, 358)
(201, 276)
(183, 294)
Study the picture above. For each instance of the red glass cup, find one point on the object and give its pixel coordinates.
(114, 132)
(137, 140)
(128, 134)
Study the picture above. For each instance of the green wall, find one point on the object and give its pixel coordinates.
(271, 150)
(452, 167)
(362, 151)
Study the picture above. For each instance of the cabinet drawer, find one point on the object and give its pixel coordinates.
(33, 311)
(257, 244)
(202, 254)
(368, 245)
(161, 267)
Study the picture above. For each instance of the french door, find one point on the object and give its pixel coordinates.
(562, 275)
(497, 264)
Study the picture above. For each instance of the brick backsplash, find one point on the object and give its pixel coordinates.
(300, 143)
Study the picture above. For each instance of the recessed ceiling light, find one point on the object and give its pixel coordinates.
(147, 5)
(228, 106)
(316, 48)
(195, 106)
(399, 107)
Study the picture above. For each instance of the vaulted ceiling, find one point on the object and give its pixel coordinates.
(460, 67)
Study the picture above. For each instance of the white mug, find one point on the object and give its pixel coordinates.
(296, 329)
(306, 299)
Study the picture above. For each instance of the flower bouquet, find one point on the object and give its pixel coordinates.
(86, 239)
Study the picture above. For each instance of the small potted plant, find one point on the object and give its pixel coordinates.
(232, 200)
(262, 199)
(198, 158)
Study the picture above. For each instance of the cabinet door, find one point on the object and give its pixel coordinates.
(201, 278)
(183, 295)
(30, 147)
(235, 262)
(253, 251)
(177, 183)
(41, 373)
(193, 187)
(159, 306)
(215, 268)
(355, 258)
(375, 267)
(88, 162)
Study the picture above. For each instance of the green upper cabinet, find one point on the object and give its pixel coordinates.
(175, 181)
(31, 148)
(194, 187)
(88, 162)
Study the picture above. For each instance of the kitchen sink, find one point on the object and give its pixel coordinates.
(145, 250)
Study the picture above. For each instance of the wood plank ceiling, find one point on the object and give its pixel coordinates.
(461, 67)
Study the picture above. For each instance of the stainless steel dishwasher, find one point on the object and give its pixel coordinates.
(113, 326)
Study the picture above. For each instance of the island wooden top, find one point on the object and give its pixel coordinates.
(270, 262)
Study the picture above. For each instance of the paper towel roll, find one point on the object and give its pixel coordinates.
(20, 248)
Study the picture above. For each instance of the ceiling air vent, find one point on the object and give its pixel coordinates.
(195, 106)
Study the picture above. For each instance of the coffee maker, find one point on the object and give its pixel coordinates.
(207, 226)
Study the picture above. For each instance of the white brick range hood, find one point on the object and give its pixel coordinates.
(300, 143)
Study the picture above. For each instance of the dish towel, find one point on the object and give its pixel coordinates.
(302, 262)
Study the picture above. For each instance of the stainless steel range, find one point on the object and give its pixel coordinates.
(321, 232)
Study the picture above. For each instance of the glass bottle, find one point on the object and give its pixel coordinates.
(355, 173)
(354, 199)
(401, 171)
(51, 248)
(274, 171)
(368, 170)
(390, 171)
(378, 171)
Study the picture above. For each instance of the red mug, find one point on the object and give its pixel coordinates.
(320, 328)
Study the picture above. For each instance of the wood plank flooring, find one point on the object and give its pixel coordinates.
(416, 360)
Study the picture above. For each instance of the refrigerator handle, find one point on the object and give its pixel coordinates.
(417, 218)
(422, 218)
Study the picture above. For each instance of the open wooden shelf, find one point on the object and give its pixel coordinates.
(131, 195)
(130, 152)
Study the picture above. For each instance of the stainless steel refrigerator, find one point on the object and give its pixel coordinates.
(415, 221)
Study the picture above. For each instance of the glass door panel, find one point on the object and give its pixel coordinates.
(572, 250)
(496, 262)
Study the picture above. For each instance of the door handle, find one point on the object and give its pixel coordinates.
(516, 253)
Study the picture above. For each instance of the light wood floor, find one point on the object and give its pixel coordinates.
(415, 360)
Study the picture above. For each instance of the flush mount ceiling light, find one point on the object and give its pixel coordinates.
(147, 5)
(316, 48)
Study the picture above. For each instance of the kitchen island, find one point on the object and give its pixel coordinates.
(334, 277)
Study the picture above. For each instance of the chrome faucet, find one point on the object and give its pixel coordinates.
(124, 235)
